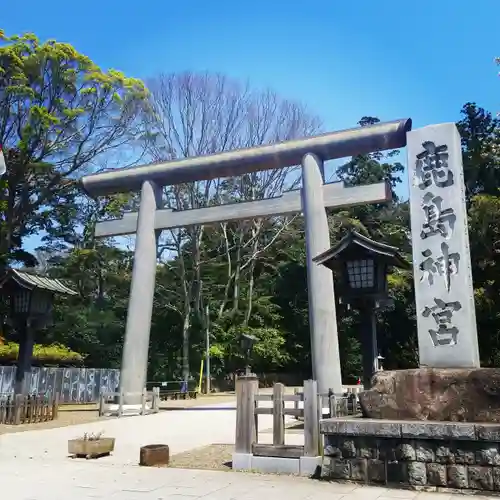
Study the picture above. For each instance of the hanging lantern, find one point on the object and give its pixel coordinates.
(31, 295)
(362, 265)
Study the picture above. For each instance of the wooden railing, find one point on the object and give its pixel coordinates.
(116, 398)
(248, 410)
(339, 405)
(19, 409)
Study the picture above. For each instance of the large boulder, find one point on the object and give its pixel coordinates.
(452, 394)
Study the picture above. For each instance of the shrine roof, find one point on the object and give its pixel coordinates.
(354, 239)
(30, 279)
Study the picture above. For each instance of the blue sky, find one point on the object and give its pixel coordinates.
(344, 59)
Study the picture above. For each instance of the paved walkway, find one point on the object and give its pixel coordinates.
(84, 480)
(182, 430)
(34, 465)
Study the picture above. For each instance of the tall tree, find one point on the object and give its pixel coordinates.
(480, 134)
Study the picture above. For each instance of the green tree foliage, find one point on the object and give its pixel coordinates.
(279, 315)
(61, 116)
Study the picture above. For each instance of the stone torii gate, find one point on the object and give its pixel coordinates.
(311, 200)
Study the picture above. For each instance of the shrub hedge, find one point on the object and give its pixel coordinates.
(47, 355)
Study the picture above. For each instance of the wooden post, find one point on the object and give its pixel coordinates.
(332, 401)
(156, 399)
(246, 389)
(102, 403)
(296, 392)
(278, 414)
(55, 406)
(39, 403)
(18, 408)
(311, 422)
(143, 402)
(3, 411)
(120, 403)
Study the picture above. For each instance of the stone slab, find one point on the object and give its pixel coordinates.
(306, 466)
(488, 432)
(242, 461)
(438, 430)
(128, 410)
(274, 465)
(363, 427)
(457, 431)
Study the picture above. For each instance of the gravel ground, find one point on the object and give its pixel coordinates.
(213, 457)
(199, 401)
(64, 419)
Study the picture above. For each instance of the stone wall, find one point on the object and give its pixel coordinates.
(426, 454)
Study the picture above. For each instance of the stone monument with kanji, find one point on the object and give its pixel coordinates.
(449, 385)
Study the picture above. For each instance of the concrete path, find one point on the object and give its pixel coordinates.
(34, 464)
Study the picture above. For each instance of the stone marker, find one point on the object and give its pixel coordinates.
(446, 318)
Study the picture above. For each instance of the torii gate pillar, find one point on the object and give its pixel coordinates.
(322, 314)
(140, 306)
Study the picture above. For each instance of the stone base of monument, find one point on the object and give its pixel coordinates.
(425, 428)
(430, 455)
(443, 394)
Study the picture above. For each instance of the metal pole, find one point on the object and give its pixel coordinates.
(368, 342)
(3, 165)
(207, 354)
(140, 306)
(23, 371)
(322, 313)
(374, 343)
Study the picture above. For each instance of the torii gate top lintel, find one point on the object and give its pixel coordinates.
(329, 146)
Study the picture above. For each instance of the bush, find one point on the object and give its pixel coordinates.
(50, 355)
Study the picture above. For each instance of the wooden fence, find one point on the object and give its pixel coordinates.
(115, 399)
(248, 410)
(19, 409)
(175, 389)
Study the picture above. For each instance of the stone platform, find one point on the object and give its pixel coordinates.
(435, 455)
(443, 394)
